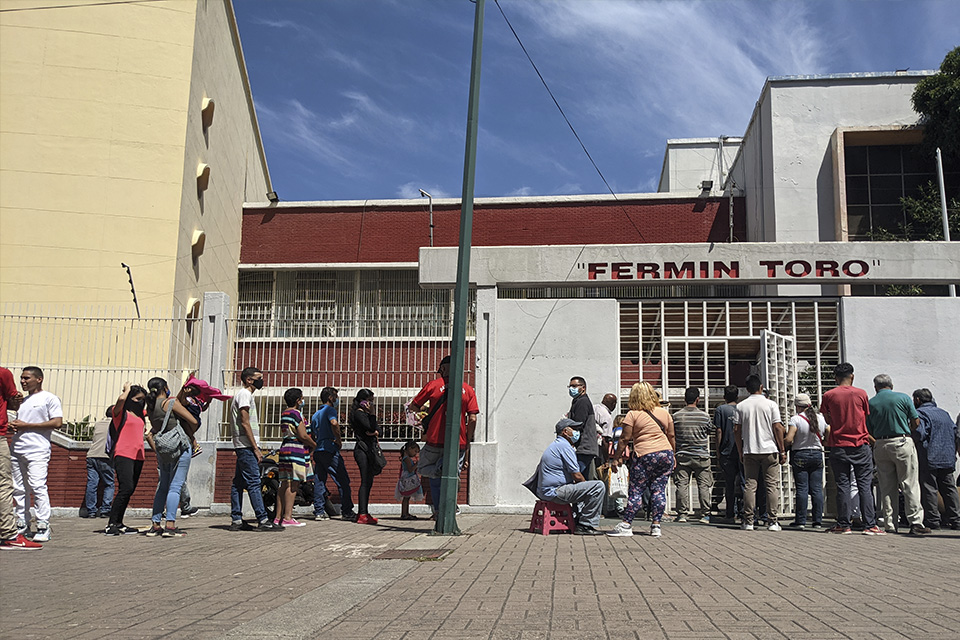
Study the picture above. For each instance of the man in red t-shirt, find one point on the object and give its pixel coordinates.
(845, 409)
(431, 456)
(9, 537)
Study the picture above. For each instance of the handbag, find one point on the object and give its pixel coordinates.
(408, 483)
(377, 460)
(168, 444)
(619, 486)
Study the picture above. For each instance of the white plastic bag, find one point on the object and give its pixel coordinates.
(619, 483)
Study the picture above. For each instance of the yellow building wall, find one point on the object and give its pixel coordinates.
(231, 148)
(92, 130)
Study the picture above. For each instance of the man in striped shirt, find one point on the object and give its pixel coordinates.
(693, 429)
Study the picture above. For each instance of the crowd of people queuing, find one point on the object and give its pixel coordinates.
(168, 423)
(905, 446)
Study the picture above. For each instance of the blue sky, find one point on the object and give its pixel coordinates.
(367, 99)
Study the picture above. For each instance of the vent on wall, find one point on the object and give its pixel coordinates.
(203, 177)
(207, 111)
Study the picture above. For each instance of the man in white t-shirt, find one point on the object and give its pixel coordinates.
(758, 430)
(245, 429)
(39, 414)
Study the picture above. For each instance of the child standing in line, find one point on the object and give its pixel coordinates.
(408, 485)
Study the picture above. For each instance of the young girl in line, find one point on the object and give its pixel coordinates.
(408, 485)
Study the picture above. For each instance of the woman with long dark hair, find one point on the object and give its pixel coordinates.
(363, 420)
(805, 434)
(170, 419)
(126, 433)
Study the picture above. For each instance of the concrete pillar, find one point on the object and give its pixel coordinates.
(214, 350)
(483, 451)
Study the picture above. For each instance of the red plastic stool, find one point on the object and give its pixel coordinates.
(551, 517)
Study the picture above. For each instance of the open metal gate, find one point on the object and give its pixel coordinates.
(778, 367)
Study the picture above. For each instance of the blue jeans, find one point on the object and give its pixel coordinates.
(246, 477)
(99, 470)
(860, 460)
(330, 462)
(807, 465)
(172, 476)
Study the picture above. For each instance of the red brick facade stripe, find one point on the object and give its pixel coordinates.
(395, 234)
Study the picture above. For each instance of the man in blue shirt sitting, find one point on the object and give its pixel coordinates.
(560, 479)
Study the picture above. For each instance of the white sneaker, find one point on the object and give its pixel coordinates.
(22, 527)
(43, 532)
(623, 529)
(655, 530)
(746, 526)
(774, 526)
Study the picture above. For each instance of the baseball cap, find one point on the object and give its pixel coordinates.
(567, 422)
(802, 400)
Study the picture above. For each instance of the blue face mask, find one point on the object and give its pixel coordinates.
(575, 437)
(573, 391)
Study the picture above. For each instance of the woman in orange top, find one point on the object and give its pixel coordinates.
(648, 430)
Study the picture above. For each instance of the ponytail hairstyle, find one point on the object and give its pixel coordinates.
(155, 386)
(813, 418)
(407, 445)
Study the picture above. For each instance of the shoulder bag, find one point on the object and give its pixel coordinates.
(168, 443)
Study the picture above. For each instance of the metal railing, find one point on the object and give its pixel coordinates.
(394, 368)
(86, 354)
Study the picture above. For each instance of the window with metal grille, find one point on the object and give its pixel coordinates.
(360, 303)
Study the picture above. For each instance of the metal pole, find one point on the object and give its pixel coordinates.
(447, 517)
(943, 211)
(424, 194)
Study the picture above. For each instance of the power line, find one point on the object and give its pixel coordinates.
(566, 119)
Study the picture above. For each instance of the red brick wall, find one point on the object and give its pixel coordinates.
(67, 478)
(394, 234)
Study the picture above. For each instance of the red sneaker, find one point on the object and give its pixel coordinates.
(20, 543)
(365, 518)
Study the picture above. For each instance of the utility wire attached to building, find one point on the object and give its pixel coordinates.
(133, 289)
(566, 119)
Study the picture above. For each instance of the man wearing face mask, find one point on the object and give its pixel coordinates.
(561, 481)
(582, 412)
(245, 425)
(325, 429)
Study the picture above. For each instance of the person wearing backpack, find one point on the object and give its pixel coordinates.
(805, 434)
(172, 424)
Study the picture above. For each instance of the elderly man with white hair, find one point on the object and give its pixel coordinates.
(891, 420)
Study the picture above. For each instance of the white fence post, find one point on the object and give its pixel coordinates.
(214, 350)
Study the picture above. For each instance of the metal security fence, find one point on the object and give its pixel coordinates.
(394, 368)
(87, 353)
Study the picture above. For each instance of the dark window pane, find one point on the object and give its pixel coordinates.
(913, 182)
(885, 189)
(888, 218)
(885, 159)
(855, 159)
(915, 162)
(863, 290)
(858, 191)
(858, 222)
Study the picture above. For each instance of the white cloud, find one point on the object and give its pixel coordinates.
(522, 191)
(412, 190)
(679, 64)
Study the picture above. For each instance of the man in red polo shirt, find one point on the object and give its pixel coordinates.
(9, 537)
(435, 424)
(845, 409)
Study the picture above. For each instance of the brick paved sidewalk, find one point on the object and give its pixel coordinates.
(698, 581)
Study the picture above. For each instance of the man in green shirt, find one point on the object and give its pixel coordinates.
(892, 418)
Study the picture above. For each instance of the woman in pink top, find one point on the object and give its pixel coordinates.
(648, 430)
(126, 434)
